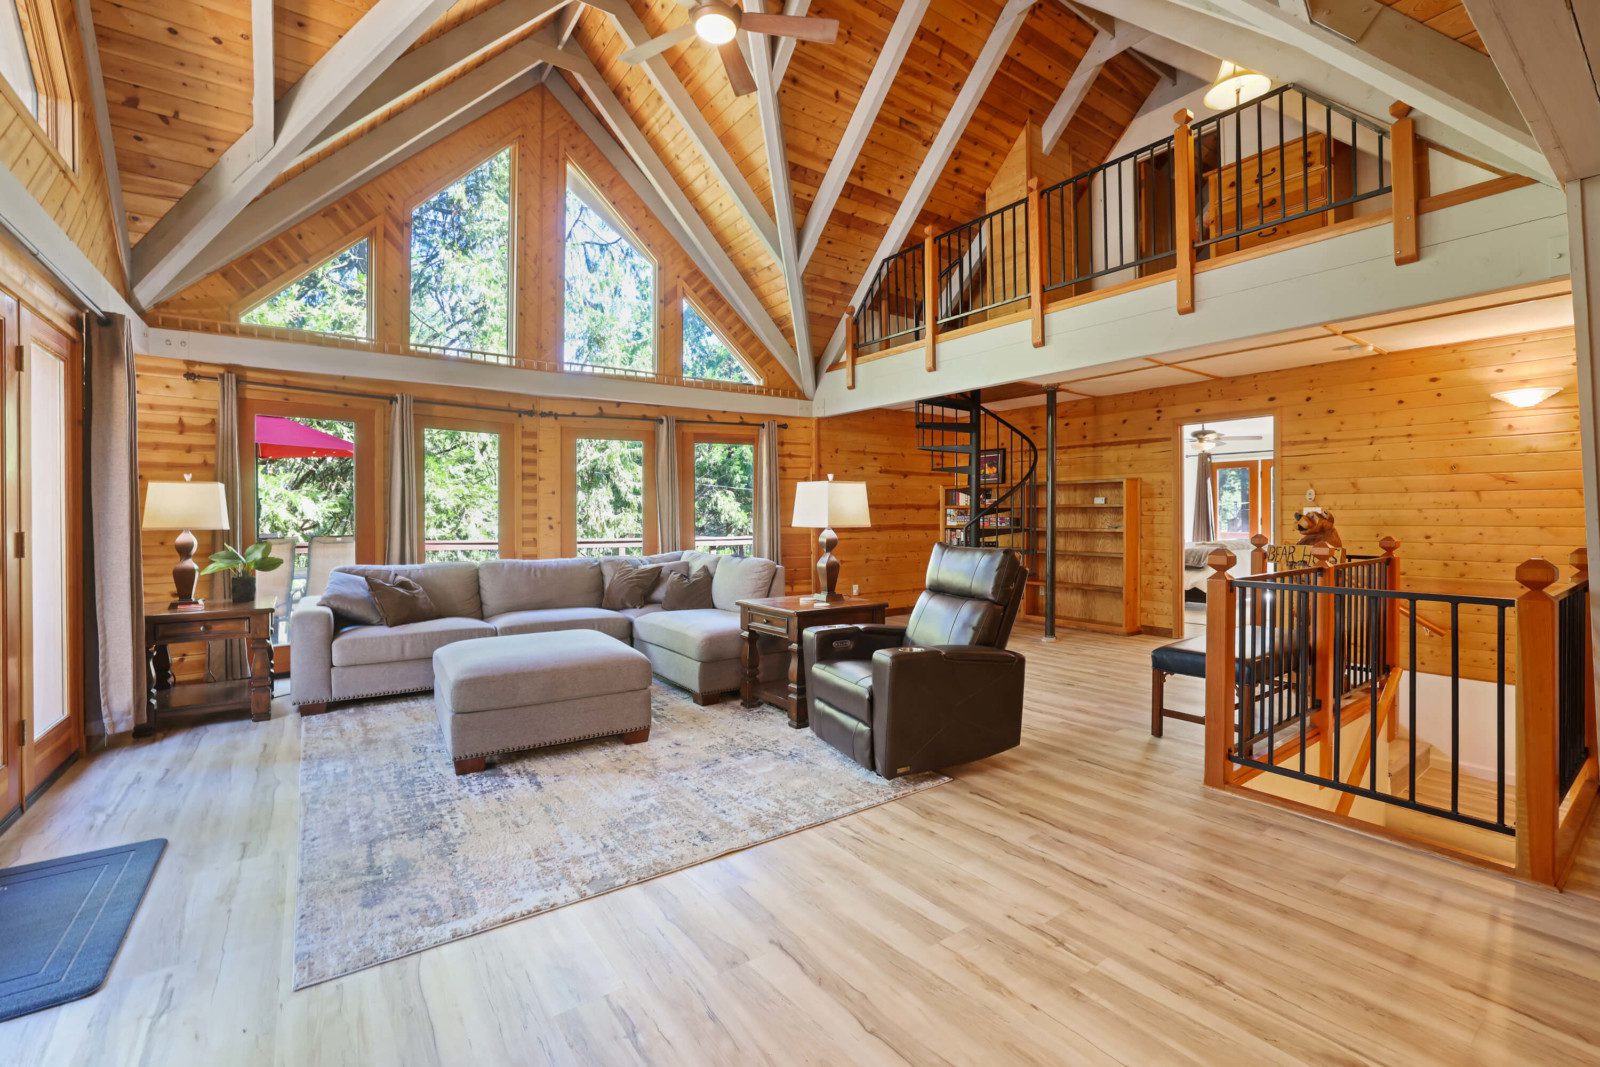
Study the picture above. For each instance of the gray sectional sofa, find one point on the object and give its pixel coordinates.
(698, 649)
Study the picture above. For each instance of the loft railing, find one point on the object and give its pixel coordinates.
(1311, 669)
(1279, 165)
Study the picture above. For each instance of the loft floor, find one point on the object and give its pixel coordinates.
(1081, 899)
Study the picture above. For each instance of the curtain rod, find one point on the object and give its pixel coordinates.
(390, 397)
(646, 418)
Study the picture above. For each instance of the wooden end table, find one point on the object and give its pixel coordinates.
(219, 620)
(788, 617)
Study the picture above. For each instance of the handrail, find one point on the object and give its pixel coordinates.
(1432, 627)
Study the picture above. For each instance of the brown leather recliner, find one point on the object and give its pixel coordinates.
(940, 691)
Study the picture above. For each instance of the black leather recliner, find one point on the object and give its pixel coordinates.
(940, 691)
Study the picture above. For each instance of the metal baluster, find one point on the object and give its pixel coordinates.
(1455, 707)
(1411, 671)
(1372, 669)
(1499, 714)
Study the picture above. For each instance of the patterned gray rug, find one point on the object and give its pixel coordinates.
(397, 854)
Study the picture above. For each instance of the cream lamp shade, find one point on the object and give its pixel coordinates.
(185, 506)
(831, 505)
(823, 506)
(1235, 85)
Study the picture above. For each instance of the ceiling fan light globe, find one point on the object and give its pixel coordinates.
(714, 26)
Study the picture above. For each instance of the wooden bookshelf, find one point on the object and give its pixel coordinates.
(1097, 554)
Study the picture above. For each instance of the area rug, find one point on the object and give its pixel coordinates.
(398, 854)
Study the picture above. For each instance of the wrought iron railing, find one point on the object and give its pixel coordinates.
(1112, 218)
(892, 311)
(983, 264)
(1573, 685)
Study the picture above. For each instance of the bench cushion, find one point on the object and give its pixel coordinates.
(524, 670)
(544, 620)
(1188, 657)
(703, 634)
(360, 645)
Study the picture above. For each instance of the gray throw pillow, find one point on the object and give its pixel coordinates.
(348, 597)
(630, 588)
(688, 591)
(659, 593)
(401, 601)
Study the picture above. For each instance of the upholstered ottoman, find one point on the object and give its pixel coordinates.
(520, 691)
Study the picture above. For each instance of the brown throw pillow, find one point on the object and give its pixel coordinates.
(401, 601)
(630, 587)
(659, 593)
(688, 591)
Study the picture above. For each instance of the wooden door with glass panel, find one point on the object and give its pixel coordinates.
(466, 474)
(44, 520)
(1243, 492)
(608, 489)
(11, 715)
(717, 489)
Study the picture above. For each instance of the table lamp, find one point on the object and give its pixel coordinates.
(824, 506)
(186, 506)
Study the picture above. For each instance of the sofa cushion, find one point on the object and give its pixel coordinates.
(738, 579)
(698, 560)
(846, 684)
(705, 634)
(396, 644)
(453, 587)
(634, 613)
(529, 669)
(529, 584)
(547, 620)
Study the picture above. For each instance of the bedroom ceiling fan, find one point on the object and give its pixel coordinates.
(1206, 440)
(719, 24)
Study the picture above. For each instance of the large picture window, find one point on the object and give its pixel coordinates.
(608, 490)
(707, 355)
(332, 298)
(461, 263)
(724, 495)
(610, 288)
(461, 498)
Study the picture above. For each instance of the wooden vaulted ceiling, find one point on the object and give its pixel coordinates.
(1449, 17)
(178, 86)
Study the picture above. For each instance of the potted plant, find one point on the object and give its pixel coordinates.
(243, 567)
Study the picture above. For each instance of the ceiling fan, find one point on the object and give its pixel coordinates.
(1206, 440)
(719, 24)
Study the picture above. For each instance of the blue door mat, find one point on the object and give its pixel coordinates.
(62, 922)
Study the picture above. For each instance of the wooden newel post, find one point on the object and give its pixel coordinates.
(1183, 208)
(1327, 718)
(1258, 553)
(930, 298)
(1580, 575)
(1221, 673)
(1036, 260)
(1403, 143)
(849, 348)
(1538, 791)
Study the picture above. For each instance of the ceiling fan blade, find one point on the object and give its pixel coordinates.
(656, 45)
(1240, 437)
(739, 76)
(796, 26)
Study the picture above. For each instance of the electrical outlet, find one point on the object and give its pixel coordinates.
(855, 590)
(1311, 496)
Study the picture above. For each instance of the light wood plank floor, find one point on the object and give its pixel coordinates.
(1079, 900)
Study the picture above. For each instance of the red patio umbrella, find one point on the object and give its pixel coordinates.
(280, 438)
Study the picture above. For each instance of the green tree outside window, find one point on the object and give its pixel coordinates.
(706, 354)
(461, 263)
(724, 496)
(610, 504)
(461, 492)
(330, 299)
(610, 295)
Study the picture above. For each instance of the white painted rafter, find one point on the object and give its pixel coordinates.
(102, 124)
(944, 143)
(782, 202)
(784, 52)
(626, 142)
(419, 126)
(263, 78)
(856, 132)
(244, 171)
(693, 120)
(465, 44)
(1107, 45)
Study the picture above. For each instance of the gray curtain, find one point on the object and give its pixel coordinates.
(405, 496)
(228, 659)
(667, 503)
(116, 675)
(1205, 504)
(769, 519)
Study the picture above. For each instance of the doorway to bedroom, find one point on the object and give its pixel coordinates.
(1230, 494)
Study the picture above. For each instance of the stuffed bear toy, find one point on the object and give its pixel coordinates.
(1316, 528)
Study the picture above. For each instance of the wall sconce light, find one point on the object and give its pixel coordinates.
(1528, 396)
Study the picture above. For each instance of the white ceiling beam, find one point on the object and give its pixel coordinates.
(785, 50)
(856, 132)
(1444, 80)
(627, 143)
(244, 171)
(1548, 52)
(263, 78)
(782, 201)
(1106, 46)
(102, 128)
(425, 123)
(693, 120)
(413, 71)
(944, 143)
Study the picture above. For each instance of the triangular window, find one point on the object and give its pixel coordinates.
(331, 298)
(706, 354)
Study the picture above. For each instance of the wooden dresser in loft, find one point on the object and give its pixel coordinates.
(1283, 180)
(1097, 553)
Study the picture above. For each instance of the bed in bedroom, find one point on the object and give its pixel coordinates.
(1195, 571)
